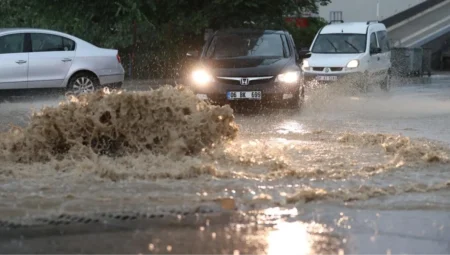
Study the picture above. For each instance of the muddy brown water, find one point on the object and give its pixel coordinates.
(380, 153)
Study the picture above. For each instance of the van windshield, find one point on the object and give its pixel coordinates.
(340, 43)
(248, 45)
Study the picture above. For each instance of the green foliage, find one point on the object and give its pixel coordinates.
(164, 29)
(303, 37)
(103, 23)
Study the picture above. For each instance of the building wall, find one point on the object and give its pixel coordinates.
(363, 10)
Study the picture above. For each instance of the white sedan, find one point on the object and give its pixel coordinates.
(37, 58)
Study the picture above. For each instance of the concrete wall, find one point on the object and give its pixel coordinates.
(364, 10)
(438, 46)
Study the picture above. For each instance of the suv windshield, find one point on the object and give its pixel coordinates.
(340, 43)
(248, 45)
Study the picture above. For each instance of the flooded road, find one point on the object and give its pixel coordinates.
(358, 173)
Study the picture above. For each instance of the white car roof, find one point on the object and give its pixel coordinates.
(37, 30)
(32, 30)
(350, 28)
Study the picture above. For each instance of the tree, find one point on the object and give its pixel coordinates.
(303, 37)
(109, 23)
(165, 29)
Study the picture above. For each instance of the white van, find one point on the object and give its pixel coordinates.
(356, 52)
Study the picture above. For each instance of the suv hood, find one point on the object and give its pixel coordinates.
(247, 67)
(332, 60)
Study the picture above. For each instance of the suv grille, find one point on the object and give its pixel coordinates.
(251, 80)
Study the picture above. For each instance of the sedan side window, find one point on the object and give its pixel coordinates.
(46, 42)
(12, 43)
(69, 45)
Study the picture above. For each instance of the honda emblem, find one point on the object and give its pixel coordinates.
(244, 81)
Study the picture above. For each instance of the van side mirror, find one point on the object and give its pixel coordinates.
(374, 51)
(192, 54)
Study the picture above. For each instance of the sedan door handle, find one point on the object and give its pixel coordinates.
(66, 60)
(21, 62)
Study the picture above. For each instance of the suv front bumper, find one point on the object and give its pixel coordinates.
(271, 91)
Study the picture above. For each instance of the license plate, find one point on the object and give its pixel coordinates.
(326, 78)
(234, 95)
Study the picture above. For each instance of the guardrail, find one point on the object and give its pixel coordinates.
(407, 62)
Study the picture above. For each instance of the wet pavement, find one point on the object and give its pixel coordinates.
(358, 174)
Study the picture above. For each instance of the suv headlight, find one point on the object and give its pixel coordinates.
(201, 77)
(288, 77)
(353, 64)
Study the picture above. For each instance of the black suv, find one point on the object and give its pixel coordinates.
(248, 65)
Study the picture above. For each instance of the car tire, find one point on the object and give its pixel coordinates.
(364, 83)
(297, 101)
(83, 83)
(386, 83)
(294, 103)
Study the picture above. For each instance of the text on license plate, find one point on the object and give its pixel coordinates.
(326, 78)
(233, 95)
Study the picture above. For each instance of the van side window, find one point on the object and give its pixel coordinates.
(373, 41)
(383, 41)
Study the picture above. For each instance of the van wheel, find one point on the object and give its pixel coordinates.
(363, 83)
(386, 82)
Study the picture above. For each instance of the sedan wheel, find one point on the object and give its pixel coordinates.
(82, 84)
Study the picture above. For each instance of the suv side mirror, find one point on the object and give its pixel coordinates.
(192, 54)
(302, 54)
(374, 51)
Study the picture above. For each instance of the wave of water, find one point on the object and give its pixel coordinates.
(105, 151)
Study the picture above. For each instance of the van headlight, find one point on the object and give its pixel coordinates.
(201, 77)
(288, 77)
(353, 64)
(305, 65)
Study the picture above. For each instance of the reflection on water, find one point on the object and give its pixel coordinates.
(278, 212)
(296, 237)
(289, 238)
(290, 126)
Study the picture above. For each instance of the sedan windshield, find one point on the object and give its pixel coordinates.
(249, 45)
(340, 43)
